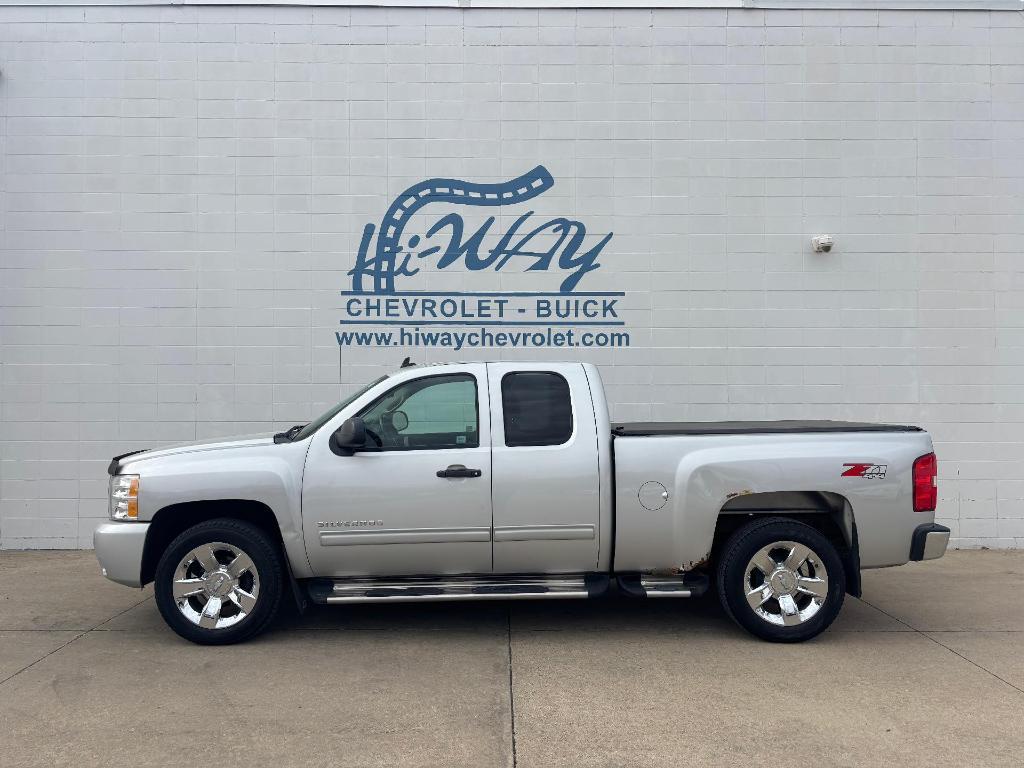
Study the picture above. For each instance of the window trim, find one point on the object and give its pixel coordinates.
(476, 409)
(572, 410)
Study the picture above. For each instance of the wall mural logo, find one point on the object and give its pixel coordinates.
(457, 319)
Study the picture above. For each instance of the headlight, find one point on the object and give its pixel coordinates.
(124, 497)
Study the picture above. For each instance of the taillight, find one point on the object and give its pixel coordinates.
(925, 492)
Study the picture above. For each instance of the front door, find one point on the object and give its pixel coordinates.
(387, 511)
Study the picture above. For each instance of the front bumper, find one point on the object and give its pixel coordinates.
(929, 541)
(119, 549)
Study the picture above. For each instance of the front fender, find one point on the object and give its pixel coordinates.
(269, 474)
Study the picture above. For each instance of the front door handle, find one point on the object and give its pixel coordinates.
(458, 470)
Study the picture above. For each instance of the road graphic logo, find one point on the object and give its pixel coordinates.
(408, 244)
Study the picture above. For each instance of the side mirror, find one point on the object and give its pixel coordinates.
(349, 437)
(399, 421)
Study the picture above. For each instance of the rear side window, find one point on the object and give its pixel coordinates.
(537, 408)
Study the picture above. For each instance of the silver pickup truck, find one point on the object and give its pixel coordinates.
(503, 481)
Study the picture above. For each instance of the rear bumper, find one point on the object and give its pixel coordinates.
(119, 549)
(929, 541)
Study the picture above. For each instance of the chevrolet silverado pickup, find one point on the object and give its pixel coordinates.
(507, 481)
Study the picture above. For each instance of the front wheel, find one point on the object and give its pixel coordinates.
(219, 582)
(781, 580)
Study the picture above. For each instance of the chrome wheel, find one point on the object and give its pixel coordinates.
(216, 585)
(786, 583)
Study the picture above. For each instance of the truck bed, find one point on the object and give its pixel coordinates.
(656, 428)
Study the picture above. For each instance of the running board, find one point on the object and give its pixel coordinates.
(456, 588)
(676, 585)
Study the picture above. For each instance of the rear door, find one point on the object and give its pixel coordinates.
(544, 460)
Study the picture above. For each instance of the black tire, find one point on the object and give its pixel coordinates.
(732, 579)
(262, 550)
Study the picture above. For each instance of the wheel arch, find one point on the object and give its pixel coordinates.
(829, 513)
(171, 520)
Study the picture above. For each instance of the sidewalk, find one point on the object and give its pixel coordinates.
(926, 670)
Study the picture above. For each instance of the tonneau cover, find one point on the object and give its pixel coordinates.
(650, 428)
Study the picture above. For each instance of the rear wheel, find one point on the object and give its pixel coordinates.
(219, 582)
(781, 580)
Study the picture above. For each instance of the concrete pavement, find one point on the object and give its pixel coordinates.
(925, 670)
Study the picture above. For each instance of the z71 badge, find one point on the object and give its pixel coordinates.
(871, 471)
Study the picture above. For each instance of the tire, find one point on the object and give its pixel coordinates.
(227, 599)
(801, 596)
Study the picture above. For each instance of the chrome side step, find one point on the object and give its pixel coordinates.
(676, 585)
(666, 587)
(342, 591)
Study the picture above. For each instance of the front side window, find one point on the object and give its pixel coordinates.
(431, 413)
(537, 408)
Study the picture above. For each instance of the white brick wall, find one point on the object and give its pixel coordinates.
(184, 189)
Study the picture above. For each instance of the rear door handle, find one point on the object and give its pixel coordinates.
(458, 470)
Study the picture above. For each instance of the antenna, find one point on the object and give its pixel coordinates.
(407, 363)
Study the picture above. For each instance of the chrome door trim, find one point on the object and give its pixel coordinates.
(544, 532)
(403, 536)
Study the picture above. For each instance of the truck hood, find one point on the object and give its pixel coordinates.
(218, 444)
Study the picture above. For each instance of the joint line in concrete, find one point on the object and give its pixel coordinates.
(943, 645)
(83, 633)
(511, 690)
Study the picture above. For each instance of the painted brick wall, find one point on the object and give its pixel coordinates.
(184, 190)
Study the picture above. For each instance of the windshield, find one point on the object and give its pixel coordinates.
(318, 422)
